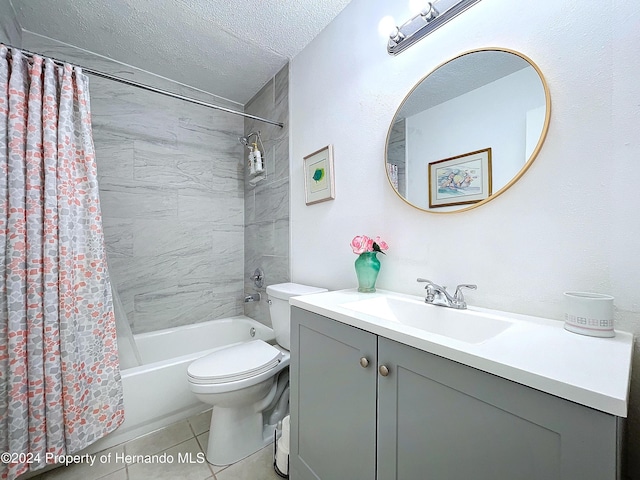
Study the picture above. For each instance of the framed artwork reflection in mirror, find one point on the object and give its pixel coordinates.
(460, 180)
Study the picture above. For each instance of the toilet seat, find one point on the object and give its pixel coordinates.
(234, 363)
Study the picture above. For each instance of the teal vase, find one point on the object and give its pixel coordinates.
(367, 269)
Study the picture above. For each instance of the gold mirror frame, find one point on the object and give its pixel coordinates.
(524, 168)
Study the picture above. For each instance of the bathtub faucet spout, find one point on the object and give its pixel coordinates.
(254, 297)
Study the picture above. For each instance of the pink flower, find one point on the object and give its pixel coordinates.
(369, 244)
(359, 244)
(381, 243)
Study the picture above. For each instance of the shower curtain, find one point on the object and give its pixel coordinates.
(60, 387)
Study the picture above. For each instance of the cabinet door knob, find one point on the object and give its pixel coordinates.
(384, 370)
(364, 362)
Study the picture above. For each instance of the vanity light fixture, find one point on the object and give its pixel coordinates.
(425, 22)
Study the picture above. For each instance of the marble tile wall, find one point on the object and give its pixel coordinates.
(267, 203)
(171, 181)
(10, 32)
(397, 153)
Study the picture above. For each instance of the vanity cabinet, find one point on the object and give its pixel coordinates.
(366, 407)
(333, 400)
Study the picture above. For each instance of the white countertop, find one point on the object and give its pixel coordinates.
(534, 351)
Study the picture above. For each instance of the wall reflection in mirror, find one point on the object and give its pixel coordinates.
(468, 130)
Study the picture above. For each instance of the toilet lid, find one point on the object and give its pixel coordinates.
(236, 362)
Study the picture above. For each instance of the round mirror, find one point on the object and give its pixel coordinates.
(468, 131)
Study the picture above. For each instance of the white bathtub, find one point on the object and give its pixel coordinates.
(157, 393)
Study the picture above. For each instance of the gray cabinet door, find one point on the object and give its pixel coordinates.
(333, 400)
(440, 420)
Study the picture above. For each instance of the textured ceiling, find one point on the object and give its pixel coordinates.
(460, 76)
(230, 48)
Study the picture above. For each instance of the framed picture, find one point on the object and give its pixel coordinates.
(319, 184)
(460, 180)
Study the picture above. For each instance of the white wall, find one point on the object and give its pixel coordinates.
(570, 223)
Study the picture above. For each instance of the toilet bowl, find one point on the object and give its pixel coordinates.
(247, 384)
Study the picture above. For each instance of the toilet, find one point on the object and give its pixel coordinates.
(248, 384)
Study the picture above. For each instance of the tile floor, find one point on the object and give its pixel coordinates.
(182, 438)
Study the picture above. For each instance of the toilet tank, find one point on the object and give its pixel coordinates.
(279, 295)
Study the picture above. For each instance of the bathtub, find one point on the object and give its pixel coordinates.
(156, 393)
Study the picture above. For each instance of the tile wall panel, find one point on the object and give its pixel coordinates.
(171, 184)
(266, 205)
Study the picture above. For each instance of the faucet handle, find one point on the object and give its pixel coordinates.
(431, 284)
(459, 297)
(429, 288)
(428, 282)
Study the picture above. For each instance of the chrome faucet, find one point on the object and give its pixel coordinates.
(253, 297)
(437, 295)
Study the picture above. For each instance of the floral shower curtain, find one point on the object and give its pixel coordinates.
(60, 387)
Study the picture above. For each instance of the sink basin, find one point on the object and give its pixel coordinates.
(465, 325)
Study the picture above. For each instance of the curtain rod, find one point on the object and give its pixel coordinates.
(149, 88)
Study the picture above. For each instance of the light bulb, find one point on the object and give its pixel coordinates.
(429, 13)
(386, 26)
(396, 35)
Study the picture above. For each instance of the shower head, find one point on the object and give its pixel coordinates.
(245, 140)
